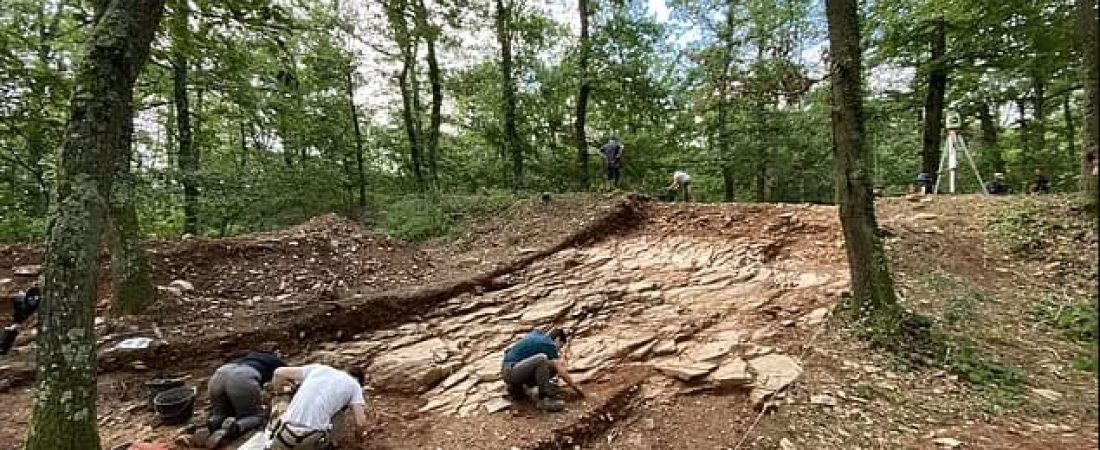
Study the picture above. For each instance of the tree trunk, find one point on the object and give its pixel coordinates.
(724, 136)
(1039, 127)
(362, 174)
(873, 294)
(188, 159)
(435, 78)
(408, 115)
(582, 98)
(508, 89)
(933, 103)
(991, 150)
(1089, 31)
(1071, 132)
(100, 124)
(133, 285)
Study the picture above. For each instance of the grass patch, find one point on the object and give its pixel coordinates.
(416, 218)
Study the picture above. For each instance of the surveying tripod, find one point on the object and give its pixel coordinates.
(954, 145)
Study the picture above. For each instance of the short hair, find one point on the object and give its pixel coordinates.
(357, 373)
(559, 334)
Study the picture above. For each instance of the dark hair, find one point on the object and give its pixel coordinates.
(559, 334)
(357, 373)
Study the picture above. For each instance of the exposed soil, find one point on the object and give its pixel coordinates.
(687, 322)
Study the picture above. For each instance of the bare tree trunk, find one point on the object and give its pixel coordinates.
(1071, 132)
(1089, 30)
(362, 175)
(872, 288)
(435, 78)
(188, 160)
(933, 103)
(582, 98)
(991, 150)
(1039, 100)
(724, 135)
(508, 88)
(100, 124)
(396, 14)
(133, 285)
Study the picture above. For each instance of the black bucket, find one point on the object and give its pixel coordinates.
(158, 385)
(175, 406)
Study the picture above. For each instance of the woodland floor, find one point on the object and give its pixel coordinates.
(686, 318)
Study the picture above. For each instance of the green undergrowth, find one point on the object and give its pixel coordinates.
(419, 218)
(1075, 320)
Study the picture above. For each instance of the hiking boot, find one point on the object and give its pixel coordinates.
(550, 404)
(517, 392)
(227, 430)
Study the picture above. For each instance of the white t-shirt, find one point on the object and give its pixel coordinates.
(323, 393)
(681, 177)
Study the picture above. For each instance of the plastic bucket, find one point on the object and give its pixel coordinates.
(158, 385)
(176, 405)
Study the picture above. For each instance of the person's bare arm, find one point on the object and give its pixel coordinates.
(284, 375)
(563, 371)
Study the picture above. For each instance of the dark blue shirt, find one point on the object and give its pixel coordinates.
(264, 363)
(534, 343)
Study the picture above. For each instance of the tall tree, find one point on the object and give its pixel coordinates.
(873, 294)
(187, 152)
(361, 174)
(725, 137)
(431, 33)
(583, 91)
(504, 16)
(991, 151)
(130, 274)
(99, 129)
(933, 103)
(1089, 31)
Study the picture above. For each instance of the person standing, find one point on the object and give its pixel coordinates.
(1041, 184)
(323, 392)
(612, 153)
(681, 181)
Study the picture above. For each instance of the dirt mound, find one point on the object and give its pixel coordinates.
(252, 274)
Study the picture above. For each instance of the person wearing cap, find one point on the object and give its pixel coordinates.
(535, 361)
(998, 185)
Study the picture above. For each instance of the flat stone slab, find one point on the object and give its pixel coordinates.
(711, 351)
(31, 270)
(731, 374)
(773, 373)
(546, 311)
(686, 371)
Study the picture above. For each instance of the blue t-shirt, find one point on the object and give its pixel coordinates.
(532, 344)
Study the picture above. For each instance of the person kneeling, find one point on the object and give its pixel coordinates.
(322, 393)
(534, 361)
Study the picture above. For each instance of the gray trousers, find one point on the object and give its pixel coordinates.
(534, 371)
(235, 391)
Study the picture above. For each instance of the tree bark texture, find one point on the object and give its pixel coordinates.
(1071, 131)
(933, 103)
(872, 288)
(187, 151)
(98, 130)
(1089, 30)
(360, 171)
(130, 274)
(435, 79)
(991, 151)
(725, 138)
(508, 89)
(582, 98)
